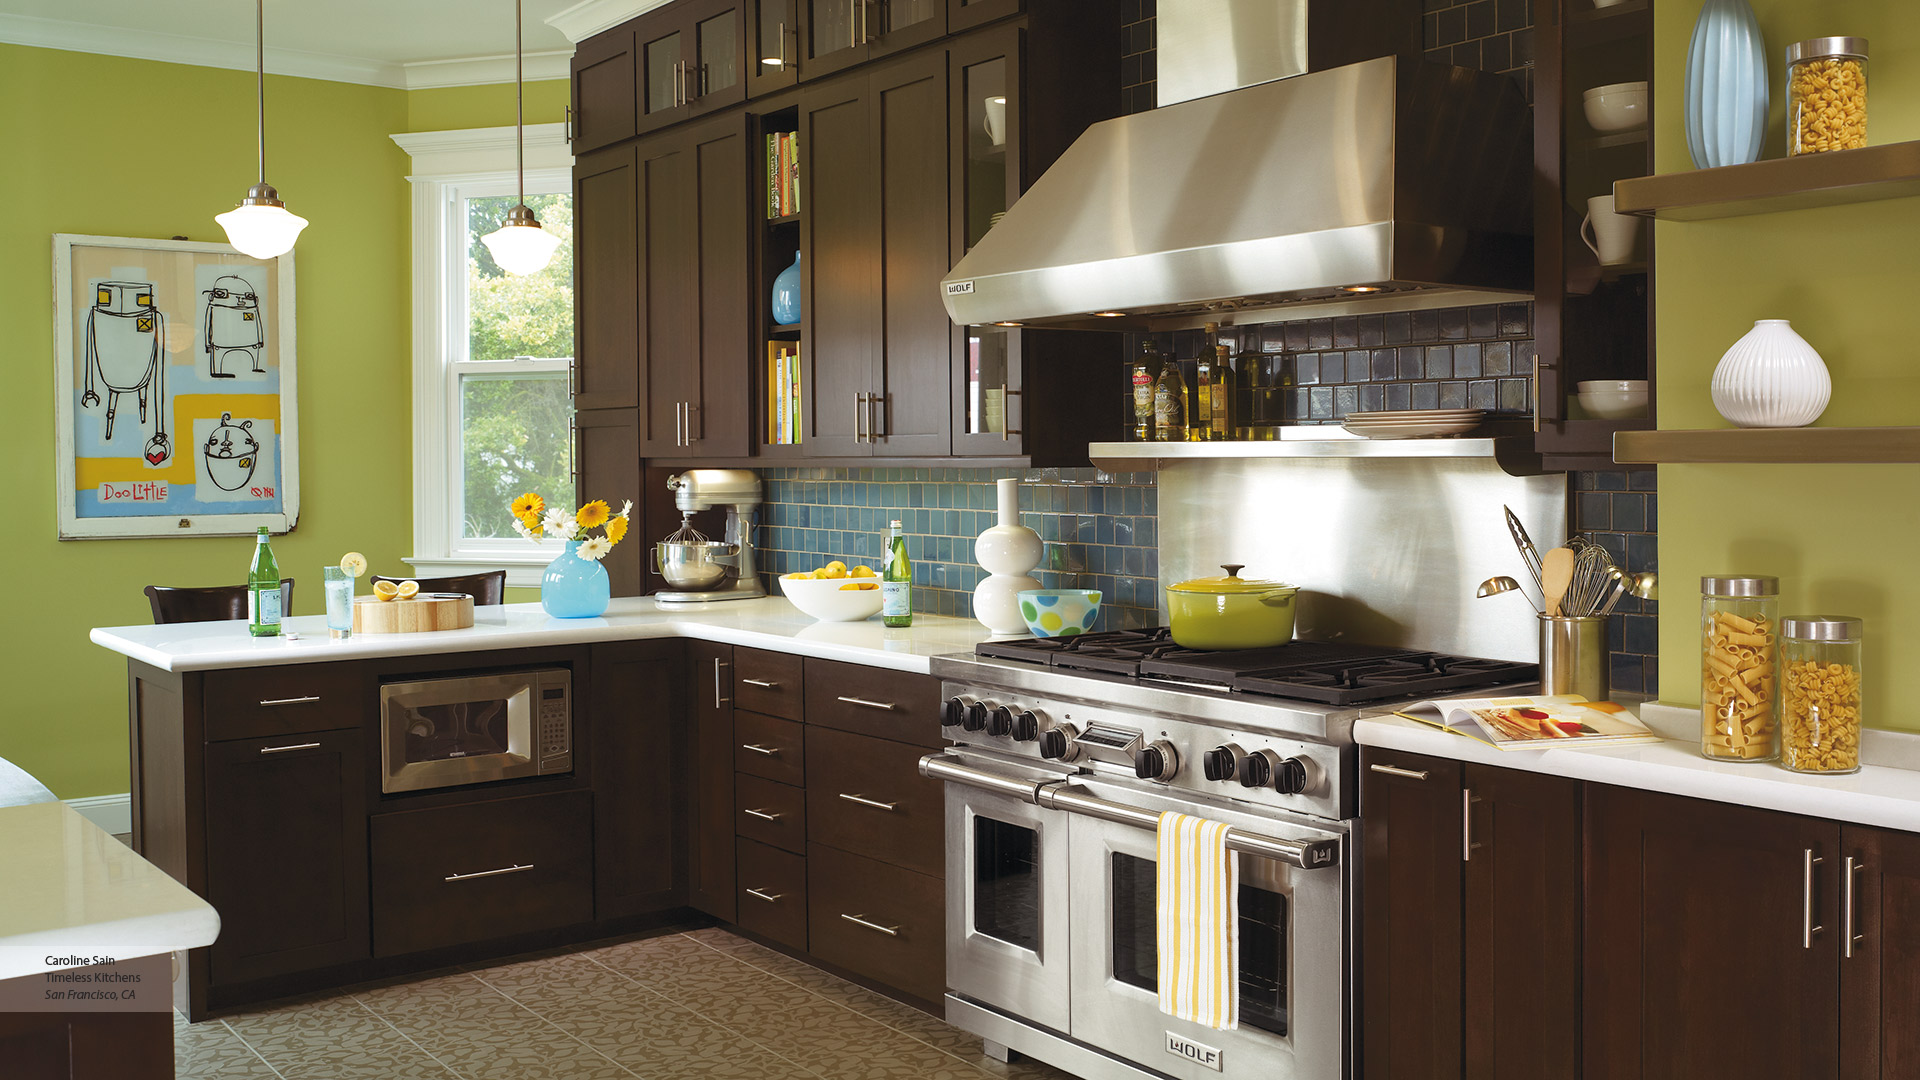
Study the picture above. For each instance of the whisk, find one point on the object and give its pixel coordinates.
(1594, 576)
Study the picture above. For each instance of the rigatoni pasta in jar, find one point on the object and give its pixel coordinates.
(1738, 666)
(1826, 95)
(1820, 693)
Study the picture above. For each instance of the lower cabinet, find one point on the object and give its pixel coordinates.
(710, 885)
(74, 1045)
(879, 920)
(476, 871)
(640, 788)
(1879, 934)
(773, 893)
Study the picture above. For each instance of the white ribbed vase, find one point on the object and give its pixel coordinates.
(1771, 378)
(1008, 552)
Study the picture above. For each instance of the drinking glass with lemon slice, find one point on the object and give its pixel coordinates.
(339, 586)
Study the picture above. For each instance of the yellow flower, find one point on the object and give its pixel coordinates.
(617, 529)
(531, 520)
(591, 515)
(529, 506)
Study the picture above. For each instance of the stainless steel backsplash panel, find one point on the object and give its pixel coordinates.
(1209, 46)
(1387, 552)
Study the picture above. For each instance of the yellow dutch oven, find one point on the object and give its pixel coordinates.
(1231, 612)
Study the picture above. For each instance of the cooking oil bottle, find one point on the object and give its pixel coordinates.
(1145, 370)
(1170, 404)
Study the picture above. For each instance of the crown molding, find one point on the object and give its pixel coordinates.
(589, 17)
(238, 56)
(472, 151)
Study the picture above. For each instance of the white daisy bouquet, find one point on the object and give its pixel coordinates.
(534, 519)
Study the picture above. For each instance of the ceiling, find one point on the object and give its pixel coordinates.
(407, 43)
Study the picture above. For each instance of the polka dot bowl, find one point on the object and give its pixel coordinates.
(1059, 612)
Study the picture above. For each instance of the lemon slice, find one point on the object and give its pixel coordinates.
(385, 590)
(354, 563)
(407, 590)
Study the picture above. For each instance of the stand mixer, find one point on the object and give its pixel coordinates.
(700, 570)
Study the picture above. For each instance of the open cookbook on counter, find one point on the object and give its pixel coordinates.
(1533, 723)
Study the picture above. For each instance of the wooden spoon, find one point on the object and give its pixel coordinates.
(1556, 574)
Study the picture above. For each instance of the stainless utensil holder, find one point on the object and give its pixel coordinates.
(1573, 656)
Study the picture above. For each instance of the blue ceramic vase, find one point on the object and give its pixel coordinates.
(573, 587)
(786, 295)
(1726, 86)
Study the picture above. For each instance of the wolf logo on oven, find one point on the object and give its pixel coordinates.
(232, 330)
(125, 331)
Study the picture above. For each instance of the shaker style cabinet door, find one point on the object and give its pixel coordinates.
(839, 273)
(668, 252)
(1411, 949)
(838, 34)
(603, 90)
(640, 854)
(607, 465)
(1879, 932)
(605, 232)
(710, 692)
(1712, 941)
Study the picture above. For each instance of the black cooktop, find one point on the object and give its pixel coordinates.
(1331, 672)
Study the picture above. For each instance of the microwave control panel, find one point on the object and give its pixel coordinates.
(555, 728)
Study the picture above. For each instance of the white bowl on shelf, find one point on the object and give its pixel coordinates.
(1616, 107)
(826, 599)
(1613, 399)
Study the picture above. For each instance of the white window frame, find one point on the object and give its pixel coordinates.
(450, 167)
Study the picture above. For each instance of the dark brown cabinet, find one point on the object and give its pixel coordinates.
(1879, 933)
(76, 1045)
(839, 34)
(603, 97)
(639, 835)
(690, 60)
(710, 884)
(1714, 941)
(605, 236)
(286, 853)
(607, 453)
(967, 14)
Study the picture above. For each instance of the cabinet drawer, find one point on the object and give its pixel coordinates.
(767, 683)
(287, 699)
(877, 920)
(770, 812)
(773, 893)
(468, 873)
(867, 795)
(874, 701)
(769, 748)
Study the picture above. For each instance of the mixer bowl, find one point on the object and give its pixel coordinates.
(696, 566)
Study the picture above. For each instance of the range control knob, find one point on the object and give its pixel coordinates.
(1056, 743)
(1026, 727)
(1000, 722)
(1290, 777)
(1156, 761)
(951, 713)
(976, 718)
(1259, 768)
(1220, 763)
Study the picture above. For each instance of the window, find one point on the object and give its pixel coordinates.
(493, 352)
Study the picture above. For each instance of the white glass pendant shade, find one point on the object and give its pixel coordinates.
(264, 232)
(521, 247)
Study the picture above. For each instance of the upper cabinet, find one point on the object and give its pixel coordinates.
(690, 61)
(603, 97)
(837, 34)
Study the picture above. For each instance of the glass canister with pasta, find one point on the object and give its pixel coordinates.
(1820, 693)
(1826, 95)
(1739, 618)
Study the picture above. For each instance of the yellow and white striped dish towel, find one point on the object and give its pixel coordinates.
(1199, 918)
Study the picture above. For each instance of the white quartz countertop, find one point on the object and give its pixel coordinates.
(72, 889)
(769, 623)
(1879, 794)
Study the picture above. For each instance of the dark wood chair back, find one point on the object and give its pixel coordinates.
(487, 588)
(212, 604)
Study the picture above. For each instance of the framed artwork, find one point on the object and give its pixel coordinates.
(176, 412)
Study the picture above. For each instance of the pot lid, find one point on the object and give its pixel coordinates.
(1233, 583)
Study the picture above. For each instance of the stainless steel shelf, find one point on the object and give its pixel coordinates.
(1515, 454)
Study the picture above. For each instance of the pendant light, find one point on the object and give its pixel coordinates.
(261, 225)
(521, 246)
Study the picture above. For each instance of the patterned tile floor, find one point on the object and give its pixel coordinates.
(704, 1003)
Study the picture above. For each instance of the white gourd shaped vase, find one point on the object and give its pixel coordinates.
(1771, 378)
(1007, 552)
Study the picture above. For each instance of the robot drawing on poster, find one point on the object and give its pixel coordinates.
(125, 332)
(232, 331)
(231, 453)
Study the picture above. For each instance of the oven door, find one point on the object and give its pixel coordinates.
(465, 730)
(1007, 898)
(1292, 941)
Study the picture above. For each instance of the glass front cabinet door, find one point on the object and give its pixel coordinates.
(837, 34)
(986, 179)
(692, 61)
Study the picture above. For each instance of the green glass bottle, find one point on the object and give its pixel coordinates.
(263, 590)
(896, 580)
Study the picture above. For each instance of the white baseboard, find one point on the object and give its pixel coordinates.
(113, 813)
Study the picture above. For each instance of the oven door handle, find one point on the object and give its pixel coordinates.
(948, 768)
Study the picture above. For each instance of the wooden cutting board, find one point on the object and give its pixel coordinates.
(425, 611)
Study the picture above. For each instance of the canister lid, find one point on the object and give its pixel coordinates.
(1822, 628)
(1823, 47)
(1740, 586)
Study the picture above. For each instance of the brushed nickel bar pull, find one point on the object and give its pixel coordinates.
(864, 801)
(944, 767)
(308, 700)
(763, 815)
(762, 684)
(1006, 414)
(1466, 825)
(890, 931)
(1848, 938)
(514, 869)
(1395, 770)
(784, 64)
(859, 410)
(770, 751)
(1807, 928)
(876, 416)
(761, 894)
(287, 749)
(718, 700)
(887, 706)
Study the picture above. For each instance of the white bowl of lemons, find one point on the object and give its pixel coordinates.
(834, 592)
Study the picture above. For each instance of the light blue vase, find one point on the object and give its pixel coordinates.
(1726, 86)
(786, 295)
(573, 587)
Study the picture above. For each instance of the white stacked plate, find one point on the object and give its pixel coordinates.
(1414, 423)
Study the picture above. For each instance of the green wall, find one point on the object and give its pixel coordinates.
(1839, 537)
(484, 106)
(178, 150)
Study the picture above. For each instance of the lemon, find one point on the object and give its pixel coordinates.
(836, 565)
(385, 590)
(857, 586)
(861, 571)
(407, 590)
(831, 571)
(353, 563)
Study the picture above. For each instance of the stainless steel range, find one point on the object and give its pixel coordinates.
(1064, 756)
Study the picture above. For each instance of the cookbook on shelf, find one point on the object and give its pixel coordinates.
(1532, 723)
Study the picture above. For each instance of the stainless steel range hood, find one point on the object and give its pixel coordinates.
(1390, 182)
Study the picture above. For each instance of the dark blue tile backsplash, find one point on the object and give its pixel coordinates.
(1620, 511)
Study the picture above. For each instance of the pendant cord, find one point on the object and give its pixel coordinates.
(519, 103)
(260, 84)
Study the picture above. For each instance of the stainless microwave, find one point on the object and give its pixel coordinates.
(475, 729)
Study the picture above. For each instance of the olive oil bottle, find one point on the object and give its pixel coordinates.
(1145, 371)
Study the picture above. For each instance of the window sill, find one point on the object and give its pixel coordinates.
(523, 571)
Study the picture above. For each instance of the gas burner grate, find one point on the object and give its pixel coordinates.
(1403, 675)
